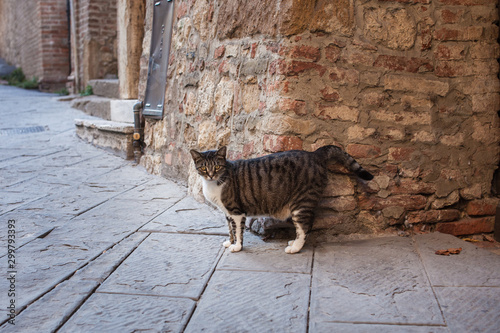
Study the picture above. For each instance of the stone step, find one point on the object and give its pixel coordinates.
(95, 106)
(105, 88)
(116, 137)
(120, 110)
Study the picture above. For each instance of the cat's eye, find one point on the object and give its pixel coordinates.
(217, 167)
(203, 169)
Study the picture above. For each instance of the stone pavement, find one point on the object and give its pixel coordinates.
(102, 246)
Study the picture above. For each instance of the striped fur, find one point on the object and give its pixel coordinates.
(282, 185)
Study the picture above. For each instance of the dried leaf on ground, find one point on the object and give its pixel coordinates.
(447, 252)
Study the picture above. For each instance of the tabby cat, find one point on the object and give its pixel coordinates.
(280, 185)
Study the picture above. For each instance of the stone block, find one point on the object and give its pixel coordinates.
(339, 185)
(367, 289)
(473, 267)
(96, 106)
(415, 84)
(467, 226)
(122, 110)
(105, 88)
(281, 302)
(433, 216)
(169, 273)
(267, 256)
(167, 314)
(408, 202)
(189, 216)
(111, 135)
(393, 28)
(482, 207)
(276, 143)
(337, 112)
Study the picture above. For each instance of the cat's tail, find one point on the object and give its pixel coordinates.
(334, 153)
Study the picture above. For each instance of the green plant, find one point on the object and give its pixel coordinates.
(62, 92)
(87, 91)
(18, 79)
(29, 84)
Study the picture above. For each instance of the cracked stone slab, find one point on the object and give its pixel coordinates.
(237, 301)
(258, 255)
(111, 221)
(55, 307)
(189, 216)
(470, 309)
(130, 313)
(156, 189)
(43, 263)
(472, 267)
(28, 226)
(167, 265)
(374, 328)
(372, 281)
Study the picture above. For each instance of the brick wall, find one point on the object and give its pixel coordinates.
(409, 88)
(96, 39)
(34, 36)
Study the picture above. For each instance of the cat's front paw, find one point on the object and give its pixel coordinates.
(235, 248)
(291, 249)
(227, 243)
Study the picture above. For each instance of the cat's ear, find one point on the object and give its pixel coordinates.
(222, 151)
(195, 155)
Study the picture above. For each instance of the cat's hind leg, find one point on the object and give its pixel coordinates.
(230, 224)
(302, 219)
(238, 228)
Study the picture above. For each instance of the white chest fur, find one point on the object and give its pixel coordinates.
(212, 193)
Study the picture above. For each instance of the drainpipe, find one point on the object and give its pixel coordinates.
(138, 131)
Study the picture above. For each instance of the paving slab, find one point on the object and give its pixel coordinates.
(189, 216)
(374, 328)
(43, 263)
(130, 313)
(156, 188)
(372, 281)
(240, 301)
(167, 265)
(111, 221)
(470, 309)
(472, 267)
(52, 310)
(270, 256)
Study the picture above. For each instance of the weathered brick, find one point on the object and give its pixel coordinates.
(469, 33)
(398, 63)
(306, 52)
(482, 207)
(363, 151)
(400, 153)
(329, 94)
(467, 2)
(412, 186)
(467, 226)
(433, 216)
(339, 204)
(452, 51)
(344, 76)
(485, 51)
(276, 143)
(452, 15)
(298, 67)
(297, 106)
(453, 69)
(408, 202)
(332, 52)
(415, 84)
(339, 112)
(339, 185)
